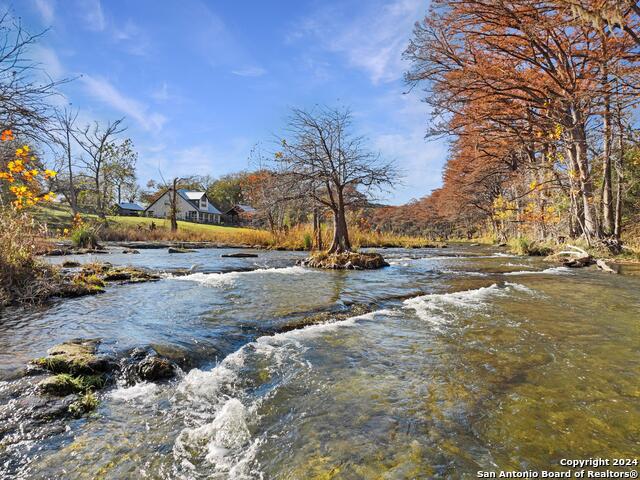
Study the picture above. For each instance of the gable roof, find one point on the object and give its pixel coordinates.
(247, 208)
(193, 199)
(238, 209)
(188, 195)
(130, 206)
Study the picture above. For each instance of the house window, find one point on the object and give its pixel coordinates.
(192, 216)
(203, 202)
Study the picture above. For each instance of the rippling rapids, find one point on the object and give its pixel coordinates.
(470, 359)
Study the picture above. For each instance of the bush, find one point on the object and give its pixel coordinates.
(84, 236)
(525, 246)
(23, 278)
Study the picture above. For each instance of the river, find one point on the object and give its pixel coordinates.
(470, 359)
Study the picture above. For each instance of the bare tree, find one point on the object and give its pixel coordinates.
(96, 140)
(63, 137)
(324, 161)
(23, 97)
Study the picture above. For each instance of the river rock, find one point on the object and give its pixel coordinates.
(180, 250)
(154, 368)
(130, 251)
(70, 264)
(64, 384)
(239, 255)
(144, 364)
(75, 357)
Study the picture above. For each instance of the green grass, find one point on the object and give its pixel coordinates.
(163, 223)
(58, 217)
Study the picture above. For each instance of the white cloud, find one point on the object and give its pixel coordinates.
(104, 91)
(420, 162)
(198, 159)
(252, 71)
(93, 15)
(46, 9)
(372, 41)
(48, 62)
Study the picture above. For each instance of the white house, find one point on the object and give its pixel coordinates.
(191, 207)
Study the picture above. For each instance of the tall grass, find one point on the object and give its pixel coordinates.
(526, 246)
(300, 237)
(23, 278)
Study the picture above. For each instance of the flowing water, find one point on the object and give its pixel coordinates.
(470, 359)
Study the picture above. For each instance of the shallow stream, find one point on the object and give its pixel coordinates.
(471, 359)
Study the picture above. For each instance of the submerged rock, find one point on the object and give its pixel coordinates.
(64, 384)
(105, 272)
(180, 250)
(154, 368)
(239, 255)
(70, 264)
(130, 251)
(346, 261)
(144, 364)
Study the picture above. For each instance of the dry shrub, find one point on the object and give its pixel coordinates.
(23, 278)
(120, 233)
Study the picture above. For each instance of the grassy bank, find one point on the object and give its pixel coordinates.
(140, 229)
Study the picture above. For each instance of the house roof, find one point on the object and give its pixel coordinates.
(191, 195)
(130, 206)
(238, 209)
(194, 199)
(246, 208)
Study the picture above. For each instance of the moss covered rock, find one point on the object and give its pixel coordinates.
(75, 357)
(64, 384)
(346, 261)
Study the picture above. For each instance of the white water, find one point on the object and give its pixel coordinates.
(220, 412)
(546, 271)
(441, 308)
(229, 278)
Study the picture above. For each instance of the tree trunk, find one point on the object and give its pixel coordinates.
(340, 242)
(581, 161)
(73, 197)
(617, 228)
(317, 229)
(173, 211)
(99, 205)
(607, 195)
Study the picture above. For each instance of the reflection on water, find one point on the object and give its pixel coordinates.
(472, 360)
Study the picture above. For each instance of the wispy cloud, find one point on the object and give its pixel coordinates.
(104, 91)
(46, 9)
(131, 37)
(197, 159)
(92, 14)
(253, 71)
(48, 62)
(372, 41)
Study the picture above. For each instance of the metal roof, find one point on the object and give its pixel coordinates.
(247, 208)
(191, 195)
(194, 199)
(130, 206)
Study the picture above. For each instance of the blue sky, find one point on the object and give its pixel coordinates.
(201, 82)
